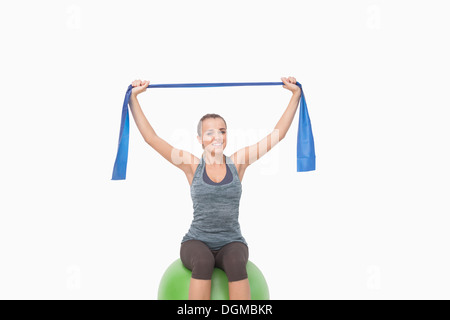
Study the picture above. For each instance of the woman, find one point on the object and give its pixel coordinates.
(214, 238)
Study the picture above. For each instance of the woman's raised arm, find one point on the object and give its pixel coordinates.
(179, 158)
(288, 115)
(142, 123)
(248, 155)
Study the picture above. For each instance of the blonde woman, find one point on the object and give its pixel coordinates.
(214, 238)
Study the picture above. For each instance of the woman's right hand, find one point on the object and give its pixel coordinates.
(139, 86)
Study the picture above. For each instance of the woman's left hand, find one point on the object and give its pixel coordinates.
(290, 84)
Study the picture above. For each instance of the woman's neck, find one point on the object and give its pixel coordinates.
(216, 160)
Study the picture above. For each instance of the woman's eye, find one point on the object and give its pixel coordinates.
(223, 132)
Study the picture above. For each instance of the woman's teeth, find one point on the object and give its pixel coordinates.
(217, 144)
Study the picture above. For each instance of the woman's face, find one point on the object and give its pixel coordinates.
(214, 135)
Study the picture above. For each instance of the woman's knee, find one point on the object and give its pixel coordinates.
(203, 267)
(234, 263)
(198, 258)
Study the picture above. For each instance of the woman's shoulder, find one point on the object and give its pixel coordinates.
(195, 163)
(232, 159)
(240, 168)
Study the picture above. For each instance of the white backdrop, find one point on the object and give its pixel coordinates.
(370, 223)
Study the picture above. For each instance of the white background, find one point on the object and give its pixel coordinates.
(370, 223)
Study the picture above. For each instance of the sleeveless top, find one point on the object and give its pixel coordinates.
(216, 207)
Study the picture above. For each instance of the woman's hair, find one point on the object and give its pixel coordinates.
(208, 116)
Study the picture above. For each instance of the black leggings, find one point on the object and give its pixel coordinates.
(201, 260)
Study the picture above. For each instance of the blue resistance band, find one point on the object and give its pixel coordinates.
(306, 157)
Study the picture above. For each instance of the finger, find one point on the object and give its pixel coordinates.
(287, 81)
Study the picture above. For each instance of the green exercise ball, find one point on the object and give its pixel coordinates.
(175, 282)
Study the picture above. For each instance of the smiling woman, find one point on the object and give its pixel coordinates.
(209, 116)
(214, 237)
(210, 130)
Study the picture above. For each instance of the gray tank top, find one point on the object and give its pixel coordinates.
(216, 207)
